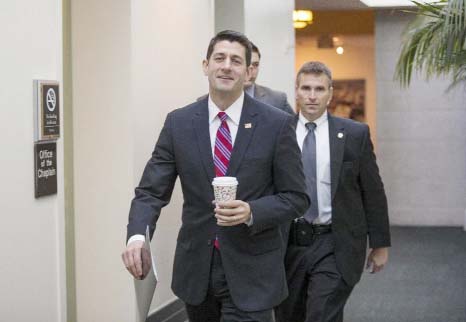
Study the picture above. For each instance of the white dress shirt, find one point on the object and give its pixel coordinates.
(234, 115)
(324, 192)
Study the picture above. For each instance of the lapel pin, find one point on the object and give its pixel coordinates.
(340, 135)
(247, 125)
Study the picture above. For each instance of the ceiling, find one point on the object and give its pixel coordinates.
(325, 5)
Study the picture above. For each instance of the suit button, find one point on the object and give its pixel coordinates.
(303, 232)
(209, 242)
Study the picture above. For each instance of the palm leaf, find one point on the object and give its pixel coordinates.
(434, 43)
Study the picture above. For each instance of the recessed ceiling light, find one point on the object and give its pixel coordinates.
(392, 3)
(340, 50)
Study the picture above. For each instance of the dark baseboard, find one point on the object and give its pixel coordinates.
(173, 312)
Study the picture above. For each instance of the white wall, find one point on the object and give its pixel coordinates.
(132, 64)
(103, 174)
(421, 141)
(357, 62)
(229, 15)
(167, 58)
(269, 25)
(32, 276)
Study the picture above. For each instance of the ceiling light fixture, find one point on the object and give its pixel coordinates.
(302, 18)
(340, 50)
(392, 3)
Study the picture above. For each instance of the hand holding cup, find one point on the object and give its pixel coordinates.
(228, 211)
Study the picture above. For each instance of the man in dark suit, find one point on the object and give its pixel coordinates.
(228, 260)
(327, 246)
(262, 93)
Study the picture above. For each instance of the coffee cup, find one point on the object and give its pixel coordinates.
(225, 188)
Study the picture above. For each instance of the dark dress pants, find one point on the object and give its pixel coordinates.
(318, 292)
(218, 305)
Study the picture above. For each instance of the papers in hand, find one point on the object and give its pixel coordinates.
(145, 287)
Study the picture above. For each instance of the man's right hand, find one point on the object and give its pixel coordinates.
(132, 258)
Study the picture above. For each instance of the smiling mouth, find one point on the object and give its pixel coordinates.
(225, 77)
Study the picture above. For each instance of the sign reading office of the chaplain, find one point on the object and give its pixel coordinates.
(46, 110)
(45, 167)
(46, 128)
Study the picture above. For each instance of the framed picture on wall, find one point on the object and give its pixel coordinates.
(349, 97)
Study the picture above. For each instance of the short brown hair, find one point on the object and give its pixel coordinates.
(316, 68)
(255, 49)
(231, 36)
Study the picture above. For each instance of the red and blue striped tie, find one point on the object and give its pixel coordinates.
(223, 146)
(222, 152)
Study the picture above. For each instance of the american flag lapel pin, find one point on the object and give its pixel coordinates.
(247, 125)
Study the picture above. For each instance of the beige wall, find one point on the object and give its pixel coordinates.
(32, 269)
(268, 23)
(132, 64)
(101, 60)
(167, 74)
(422, 147)
(357, 62)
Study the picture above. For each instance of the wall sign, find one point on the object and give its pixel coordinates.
(45, 169)
(46, 110)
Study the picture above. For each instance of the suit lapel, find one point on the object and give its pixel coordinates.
(201, 126)
(337, 139)
(246, 128)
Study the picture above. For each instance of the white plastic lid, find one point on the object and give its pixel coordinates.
(225, 181)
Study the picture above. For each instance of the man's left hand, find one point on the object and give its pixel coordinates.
(232, 213)
(377, 259)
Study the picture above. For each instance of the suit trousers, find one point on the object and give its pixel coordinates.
(318, 292)
(218, 305)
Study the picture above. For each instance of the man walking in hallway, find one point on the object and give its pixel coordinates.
(229, 260)
(262, 93)
(327, 246)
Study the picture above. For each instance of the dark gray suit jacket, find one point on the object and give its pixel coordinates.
(266, 161)
(359, 204)
(272, 97)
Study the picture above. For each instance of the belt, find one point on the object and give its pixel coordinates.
(303, 233)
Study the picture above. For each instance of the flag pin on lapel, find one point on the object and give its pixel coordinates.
(247, 125)
(340, 135)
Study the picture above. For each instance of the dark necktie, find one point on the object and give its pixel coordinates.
(309, 158)
(223, 146)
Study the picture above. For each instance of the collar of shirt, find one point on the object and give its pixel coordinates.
(319, 121)
(233, 111)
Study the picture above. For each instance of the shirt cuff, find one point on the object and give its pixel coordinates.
(136, 238)
(250, 221)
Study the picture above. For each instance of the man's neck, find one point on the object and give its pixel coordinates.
(225, 99)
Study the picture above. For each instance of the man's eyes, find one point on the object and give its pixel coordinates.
(316, 89)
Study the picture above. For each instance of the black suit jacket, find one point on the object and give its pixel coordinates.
(359, 204)
(266, 161)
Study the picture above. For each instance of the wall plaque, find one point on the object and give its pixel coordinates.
(45, 169)
(46, 110)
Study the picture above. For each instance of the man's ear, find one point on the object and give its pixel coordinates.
(249, 70)
(205, 65)
(331, 96)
